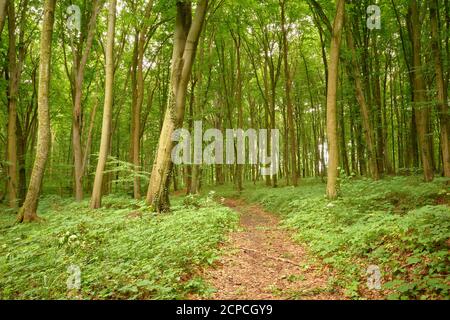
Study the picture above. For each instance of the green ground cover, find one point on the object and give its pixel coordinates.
(123, 251)
(400, 224)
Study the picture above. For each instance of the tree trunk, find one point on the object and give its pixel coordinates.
(79, 65)
(28, 212)
(365, 111)
(21, 161)
(96, 200)
(185, 44)
(240, 122)
(421, 109)
(139, 98)
(13, 88)
(442, 92)
(333, 152)
(378, 108)
(87, 148)
(3, 10)
(290, 110)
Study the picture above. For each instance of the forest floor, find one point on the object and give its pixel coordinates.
(399, 226)
(261, 261)
(260, 243)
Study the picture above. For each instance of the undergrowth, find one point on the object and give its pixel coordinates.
(400, 224)
(123, 251)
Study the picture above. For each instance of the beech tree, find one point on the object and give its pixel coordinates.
(442, 94)
(3, 10)
(80, 55)
(96, 200)
(419, 98)
(333, 72)
(28, 212)
(187, 33)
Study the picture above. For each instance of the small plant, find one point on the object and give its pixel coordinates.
(192, 201)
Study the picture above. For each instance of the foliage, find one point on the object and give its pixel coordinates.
(123, 251)
(400, 224)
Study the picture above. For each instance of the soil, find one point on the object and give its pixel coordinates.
(261, 261)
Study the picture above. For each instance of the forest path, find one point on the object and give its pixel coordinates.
(261, 261)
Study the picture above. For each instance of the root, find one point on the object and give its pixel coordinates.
(28, 218)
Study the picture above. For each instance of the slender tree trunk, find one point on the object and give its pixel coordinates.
(133, 75)
(421, 109)
(333, 72)
(13, 89)
(21, 161)
(343, 140)
(240, 122)
(290, 110)
(190, 121)
(379, 108)
(139, 99)
(267, 117)
(442, 92)
(28, 212)
(365, 111)
(79, 65)
(96, 200)
(88, 145)
(3, 11)
(186, 40)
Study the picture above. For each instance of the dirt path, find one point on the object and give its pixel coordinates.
(261, 261)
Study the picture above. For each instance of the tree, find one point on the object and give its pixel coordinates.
(28, 212)
(16, 56)
(365, 110)
(143, 32)
(288, 86)
(80, 58)
(442, 104)
(419, 89)
(333, 72)
(187, 33)
(3, 10)
(96, 200)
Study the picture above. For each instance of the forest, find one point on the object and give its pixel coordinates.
(224, 149)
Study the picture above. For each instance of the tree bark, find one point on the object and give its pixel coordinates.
(79, 65)
(139, 98)
(365, 111)
(13, 88)
(333, 147)
(441, 91)
(3, 10)
(288, 87)
(88, 145)
(421, 109)
(240, 122)
(96, 200)
(28, 212)
(187, 33)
